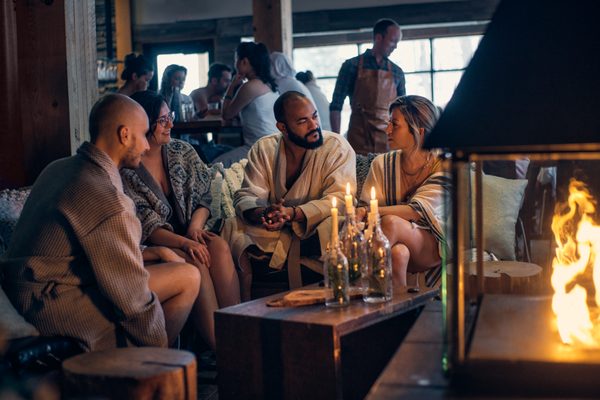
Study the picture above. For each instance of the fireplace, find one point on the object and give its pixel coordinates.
(521, 308)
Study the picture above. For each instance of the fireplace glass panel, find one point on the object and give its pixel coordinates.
(507, 253)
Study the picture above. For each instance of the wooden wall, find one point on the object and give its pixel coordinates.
(37, 80)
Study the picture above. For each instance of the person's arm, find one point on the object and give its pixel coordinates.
(335, 118)
(196, 251)
(200, 104)
(344, 82)
(234, 102)
(160, 254)
(254, 195)
(197, 223)
(403, 211)
(114, 255)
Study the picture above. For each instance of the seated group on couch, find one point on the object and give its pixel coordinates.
(111, 247)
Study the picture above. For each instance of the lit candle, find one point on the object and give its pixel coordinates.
(348, 198)
(374, 208)
(334, 223)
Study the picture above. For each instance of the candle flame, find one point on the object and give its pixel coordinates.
(372, 192)
(334, 202)
(348, 188)
(577, 242)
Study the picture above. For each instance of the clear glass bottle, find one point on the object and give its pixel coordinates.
(378, 273)
(336, 277)
(354, 247)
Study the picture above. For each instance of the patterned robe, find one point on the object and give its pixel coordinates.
(325, 172)
(190, 182)
(427, 201)
(74, 267)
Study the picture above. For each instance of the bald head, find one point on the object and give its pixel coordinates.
(284, 102)
(111, 112)
(118, 126)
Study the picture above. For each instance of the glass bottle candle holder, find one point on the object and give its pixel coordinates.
(336, 278)
(378, 271)
(354, 247)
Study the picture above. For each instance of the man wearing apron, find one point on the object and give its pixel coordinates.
(372, 81)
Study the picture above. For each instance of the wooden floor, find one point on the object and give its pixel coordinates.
(207, 384)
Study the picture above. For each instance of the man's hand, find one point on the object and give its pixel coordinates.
(276, 215)
(361, 213)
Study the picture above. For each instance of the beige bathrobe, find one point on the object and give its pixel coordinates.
(325, 172)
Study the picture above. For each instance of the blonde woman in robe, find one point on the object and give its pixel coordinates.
(409, 187)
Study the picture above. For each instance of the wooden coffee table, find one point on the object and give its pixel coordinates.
(312, 351)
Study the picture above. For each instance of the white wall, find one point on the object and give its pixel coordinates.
(167, 11)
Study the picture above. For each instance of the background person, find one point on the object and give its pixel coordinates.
(219, 79)
(372, 82)
(137, 74)
(172, 82)
(309, 80)
(251, 95)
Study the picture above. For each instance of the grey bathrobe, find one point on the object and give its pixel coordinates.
(74, 267)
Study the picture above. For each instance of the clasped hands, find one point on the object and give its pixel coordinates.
(275, 216)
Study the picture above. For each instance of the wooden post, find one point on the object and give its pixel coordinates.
(272, 24)
(48, 60)
(81, 67)
(123, 32)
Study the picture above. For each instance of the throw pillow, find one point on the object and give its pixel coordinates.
(11, 205)
(12, 324)
(502, 201)
(226, 181)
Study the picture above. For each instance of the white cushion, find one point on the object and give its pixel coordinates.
(502, 200)
(12, 324)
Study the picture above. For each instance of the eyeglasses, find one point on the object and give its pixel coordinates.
(165, 119)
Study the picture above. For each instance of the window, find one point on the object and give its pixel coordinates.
(432, 67)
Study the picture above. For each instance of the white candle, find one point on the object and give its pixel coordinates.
(374, 208)
(348, 198)
(334, 223)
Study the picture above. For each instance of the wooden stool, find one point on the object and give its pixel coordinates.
(132, 373)
(507, 277)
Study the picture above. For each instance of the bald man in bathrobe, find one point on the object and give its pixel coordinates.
(290, 180)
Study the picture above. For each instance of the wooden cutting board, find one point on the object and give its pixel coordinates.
(306, 297)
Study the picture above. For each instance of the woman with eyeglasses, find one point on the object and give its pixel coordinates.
(409, 186)
(171, 191)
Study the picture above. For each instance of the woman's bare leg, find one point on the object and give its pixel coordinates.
(176, 285)
(400, 257)
(421, 244)
(223, 274)
(205, 304)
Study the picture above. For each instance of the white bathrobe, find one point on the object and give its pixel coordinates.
(325, 172)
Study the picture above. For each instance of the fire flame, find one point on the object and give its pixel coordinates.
(575, 252)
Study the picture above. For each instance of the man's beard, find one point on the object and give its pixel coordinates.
(132, 159)
(302, 142)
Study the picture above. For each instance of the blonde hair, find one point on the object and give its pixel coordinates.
(418, 112)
